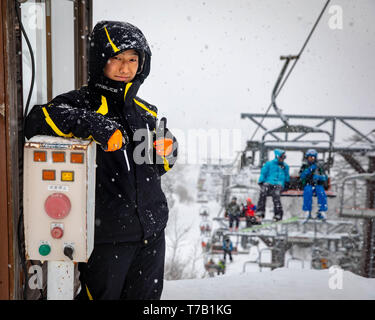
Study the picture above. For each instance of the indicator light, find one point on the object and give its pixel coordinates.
(57, 205)
(58, 156)
(40, 156)
(76, 157)
(49, 175)
(67, 175)
(44, 249)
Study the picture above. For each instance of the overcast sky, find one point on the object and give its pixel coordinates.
(215, 59)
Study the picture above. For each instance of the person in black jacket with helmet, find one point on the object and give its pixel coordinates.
(134, 150)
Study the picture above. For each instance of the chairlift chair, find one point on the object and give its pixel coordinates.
(355, 212)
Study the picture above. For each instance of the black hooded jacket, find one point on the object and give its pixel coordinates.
(130, 204)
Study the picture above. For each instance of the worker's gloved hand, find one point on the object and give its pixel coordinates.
(115, 142)
(260, 184)
(163, 147)
(105, 131)
(164, 141)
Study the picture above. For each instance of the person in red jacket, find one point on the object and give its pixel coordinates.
(248, 212)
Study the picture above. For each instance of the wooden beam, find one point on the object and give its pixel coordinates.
(4, 274)
(11, 144)
(49, 50)
(82, 29)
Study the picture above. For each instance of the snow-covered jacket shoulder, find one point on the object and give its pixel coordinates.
(72, 114)
(148, 111)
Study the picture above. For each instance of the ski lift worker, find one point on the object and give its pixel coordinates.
(233, 211)
(313, 179)
(274, 177)
(131, 210)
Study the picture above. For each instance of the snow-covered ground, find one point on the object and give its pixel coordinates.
(279, 284)
(294, 282)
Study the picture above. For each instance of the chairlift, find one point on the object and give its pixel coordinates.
(202, 198)
(296, 144)
(296, 190)
(205, 227)
(212, 267)
(217, 248)
(355, 211)
(204, 211)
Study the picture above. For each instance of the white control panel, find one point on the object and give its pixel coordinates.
(59, 198)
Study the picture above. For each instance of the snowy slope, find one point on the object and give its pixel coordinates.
(278, 284)
(294, 282)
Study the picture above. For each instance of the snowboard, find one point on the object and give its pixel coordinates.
(270, 224)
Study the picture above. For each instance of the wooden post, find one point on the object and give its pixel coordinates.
(10, 149)
(82, 28)
(48, 33)
(4, 277)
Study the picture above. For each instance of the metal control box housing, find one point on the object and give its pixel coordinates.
(59, 198)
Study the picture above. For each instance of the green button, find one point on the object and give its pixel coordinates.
(44, 249)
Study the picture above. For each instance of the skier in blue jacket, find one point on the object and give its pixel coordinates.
(274, 177)
(313, 179)
(228, 248)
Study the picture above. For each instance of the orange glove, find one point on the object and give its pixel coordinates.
(115, 141)
(163, 146)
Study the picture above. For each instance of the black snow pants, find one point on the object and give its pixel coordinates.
(229, 253)
(124, 271)
(233, 219)
(273, 191)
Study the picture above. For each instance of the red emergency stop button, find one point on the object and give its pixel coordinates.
(57, 205)
(57, 233)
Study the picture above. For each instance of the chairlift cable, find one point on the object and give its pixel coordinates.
(292, 67)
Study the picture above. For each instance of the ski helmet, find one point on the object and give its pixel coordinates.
(279, 153)
(311, 153)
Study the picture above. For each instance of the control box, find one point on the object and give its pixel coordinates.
(59, 198)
